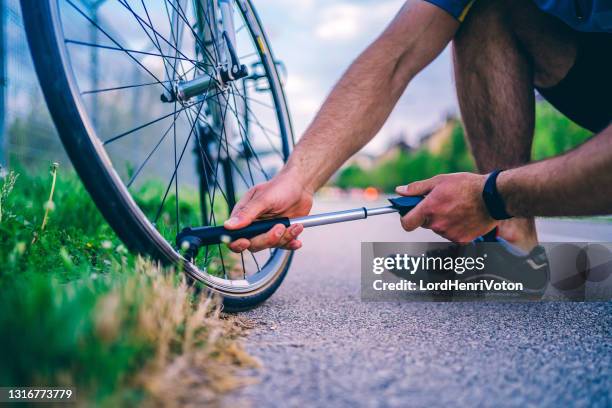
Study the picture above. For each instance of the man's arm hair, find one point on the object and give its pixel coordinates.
(576, 183)
(363, 98)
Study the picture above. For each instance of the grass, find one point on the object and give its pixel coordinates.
(78, 310)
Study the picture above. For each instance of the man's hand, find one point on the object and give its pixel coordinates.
(453, 206)
(285, 196)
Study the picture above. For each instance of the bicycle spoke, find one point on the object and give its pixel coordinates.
(216, 178)
(173, 65)
(234, 164)
(176, 193)
(243, 266)
(137, 172)
(175, 32)
(195, 35)
(155, 41)
(222, 261)
(160, 36)
(114, 41)
(216, 171)
(191, 132)
(251, 146)
(127, 50)
(249, 55)
(205, 160)
(261, 103)
(236, 150)
(117, 88)
(243, 140)
(159, 211)
(121, 135)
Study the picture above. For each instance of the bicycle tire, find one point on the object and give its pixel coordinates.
(94, 168)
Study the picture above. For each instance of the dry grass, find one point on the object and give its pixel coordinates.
(197, 354)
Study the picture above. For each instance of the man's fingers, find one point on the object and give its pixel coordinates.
(245, 212)
(269, 239)
(239, 245)
(291, 234)
(417, 188)
(293, 245)
(414, 219)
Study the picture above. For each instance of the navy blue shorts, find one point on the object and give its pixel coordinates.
(585, 94)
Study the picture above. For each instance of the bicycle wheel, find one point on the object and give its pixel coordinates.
(168, 110)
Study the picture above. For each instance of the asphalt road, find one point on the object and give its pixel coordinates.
(320, 345)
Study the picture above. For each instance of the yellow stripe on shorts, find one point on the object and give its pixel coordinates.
(465, 11)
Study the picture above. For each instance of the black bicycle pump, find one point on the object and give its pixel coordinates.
(190, 239)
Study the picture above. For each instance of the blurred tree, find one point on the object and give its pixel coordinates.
(352, 176)
(554, 135)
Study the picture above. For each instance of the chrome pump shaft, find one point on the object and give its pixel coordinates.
(341, 216)
(199, 236)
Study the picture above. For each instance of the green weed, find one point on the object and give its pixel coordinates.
(78, 310)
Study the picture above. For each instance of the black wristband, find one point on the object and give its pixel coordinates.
(493, 200)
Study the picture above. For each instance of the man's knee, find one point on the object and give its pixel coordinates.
(483, 26)
(520, 27)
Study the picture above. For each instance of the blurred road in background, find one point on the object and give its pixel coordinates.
(320, 345)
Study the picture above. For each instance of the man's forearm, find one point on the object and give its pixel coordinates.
(576, 183)
(364, 97)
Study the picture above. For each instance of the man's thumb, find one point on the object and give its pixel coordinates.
(244, 214)
(416, 188)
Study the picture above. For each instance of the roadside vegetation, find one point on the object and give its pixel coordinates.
(554, 134)
(76, 309)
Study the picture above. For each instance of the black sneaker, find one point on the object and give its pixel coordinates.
(507, 263)
(502, 262)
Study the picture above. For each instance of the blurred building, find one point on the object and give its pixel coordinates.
(397, 146)
(436, 139)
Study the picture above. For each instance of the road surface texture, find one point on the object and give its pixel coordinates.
(320, 345)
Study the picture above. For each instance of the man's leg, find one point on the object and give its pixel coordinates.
(501, 51)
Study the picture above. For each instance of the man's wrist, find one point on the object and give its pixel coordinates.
(506, 188)
(494, 202)
(294, 172)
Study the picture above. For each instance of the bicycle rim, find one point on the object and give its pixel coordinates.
(248, 140)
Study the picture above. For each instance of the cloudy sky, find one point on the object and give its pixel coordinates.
(317, 40)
